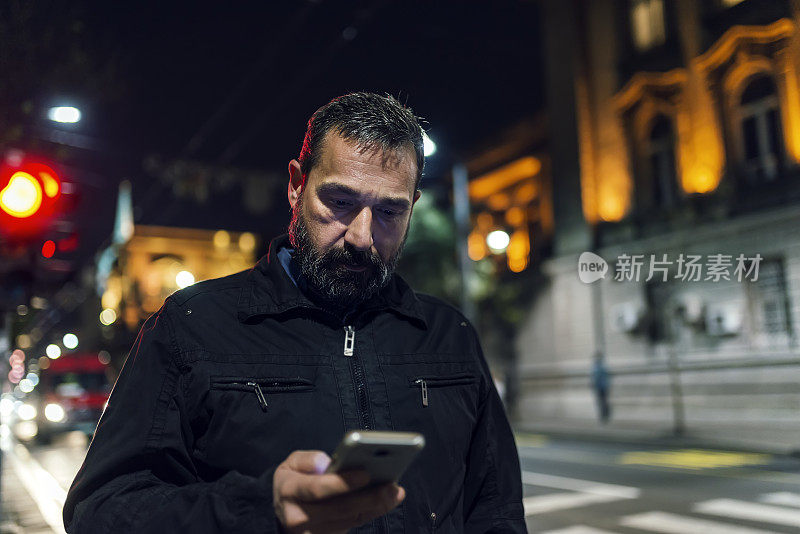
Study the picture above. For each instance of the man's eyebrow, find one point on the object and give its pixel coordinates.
(331, 188)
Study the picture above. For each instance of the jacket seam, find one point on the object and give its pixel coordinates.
(493, 492)
(187, 352)
(172, 336)
(338, 389)
(168, 386)
(180, 300)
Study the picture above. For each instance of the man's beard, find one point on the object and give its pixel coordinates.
(325, 273)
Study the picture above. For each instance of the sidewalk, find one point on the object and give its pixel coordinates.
(31, 500)
(21, 514)
(615, 432)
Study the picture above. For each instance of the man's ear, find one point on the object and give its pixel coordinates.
(295, 182)
(417, 194)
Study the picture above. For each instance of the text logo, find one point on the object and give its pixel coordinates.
(591, 267)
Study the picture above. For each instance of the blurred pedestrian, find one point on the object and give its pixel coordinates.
(601, 382)
(238, 387)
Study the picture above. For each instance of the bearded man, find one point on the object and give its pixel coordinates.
(237, 390)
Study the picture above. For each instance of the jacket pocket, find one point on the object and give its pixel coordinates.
(426, 382)
(262, 388)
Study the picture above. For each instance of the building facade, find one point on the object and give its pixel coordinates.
(675, 158)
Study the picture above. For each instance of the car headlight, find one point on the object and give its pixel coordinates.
(26, 412)
(54, 412)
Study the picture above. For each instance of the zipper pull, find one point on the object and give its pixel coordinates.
(424, 386)
(349, 340)
(259, 395)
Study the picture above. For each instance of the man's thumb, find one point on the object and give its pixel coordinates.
(310, 462)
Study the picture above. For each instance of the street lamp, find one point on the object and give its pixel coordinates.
(461, 219)
(70, 341)
(428, 146)
(498, 241)
(184, 279)
(64, 114)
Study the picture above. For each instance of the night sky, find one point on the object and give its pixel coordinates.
(467, 67)
(233, 84)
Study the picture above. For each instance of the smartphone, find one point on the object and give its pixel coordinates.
(384, 455)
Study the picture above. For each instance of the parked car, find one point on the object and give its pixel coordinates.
(73, 392)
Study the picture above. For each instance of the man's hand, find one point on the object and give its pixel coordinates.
(308, 500)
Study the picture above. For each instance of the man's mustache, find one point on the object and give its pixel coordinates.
(354, 258)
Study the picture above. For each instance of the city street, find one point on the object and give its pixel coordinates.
(574, 487)
(571, 487)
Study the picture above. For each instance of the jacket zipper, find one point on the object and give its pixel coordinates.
(424, 387)
(259, 395)
(357, 370)
(349, 340)
(278, 385)
(425, 382)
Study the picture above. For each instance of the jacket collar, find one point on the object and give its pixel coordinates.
(270, 291)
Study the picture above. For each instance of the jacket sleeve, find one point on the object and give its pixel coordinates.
(138, 475)
(493, 485)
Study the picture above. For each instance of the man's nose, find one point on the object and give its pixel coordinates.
(359, 232)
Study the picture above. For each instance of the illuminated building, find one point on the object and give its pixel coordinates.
(674, 128)
(510, 193)
(156, 261)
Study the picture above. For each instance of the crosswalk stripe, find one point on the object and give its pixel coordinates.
(540, 504)
(784, 498)
(750, 511)
(579, 529)
(576, 484)
(668, 523)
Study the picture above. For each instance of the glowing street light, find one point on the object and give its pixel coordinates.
(498, 241)
(222, 239)
(22, 197)
(26, 412)
(54, 412)
(53, 351)
(108, 316)
(184, 279)
(70, 341)
(64, 114)
(428, 146)
(26, 385)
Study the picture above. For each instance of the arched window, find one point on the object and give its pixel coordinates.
(660, 161)
(647, 24)
(762, 148)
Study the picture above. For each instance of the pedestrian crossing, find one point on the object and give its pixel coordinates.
(581, 493)
(768, 513)
(750, 511)
(668, 523)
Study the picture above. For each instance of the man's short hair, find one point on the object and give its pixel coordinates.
(371, 120)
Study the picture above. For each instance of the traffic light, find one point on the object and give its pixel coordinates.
(29, 195)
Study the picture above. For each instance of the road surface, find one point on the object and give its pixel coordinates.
(571, 487)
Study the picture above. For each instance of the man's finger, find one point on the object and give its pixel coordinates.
(302, 487)
(308, 461)
(352, 510)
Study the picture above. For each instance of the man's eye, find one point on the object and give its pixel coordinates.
(390, 213)
(341, 203)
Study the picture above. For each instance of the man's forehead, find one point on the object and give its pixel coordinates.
(337, 152)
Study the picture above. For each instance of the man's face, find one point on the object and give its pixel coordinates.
(351, 218)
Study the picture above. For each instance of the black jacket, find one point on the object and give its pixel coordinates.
(186, 445)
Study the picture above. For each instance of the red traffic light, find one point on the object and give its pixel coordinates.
(29, 192)
(48, 249)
